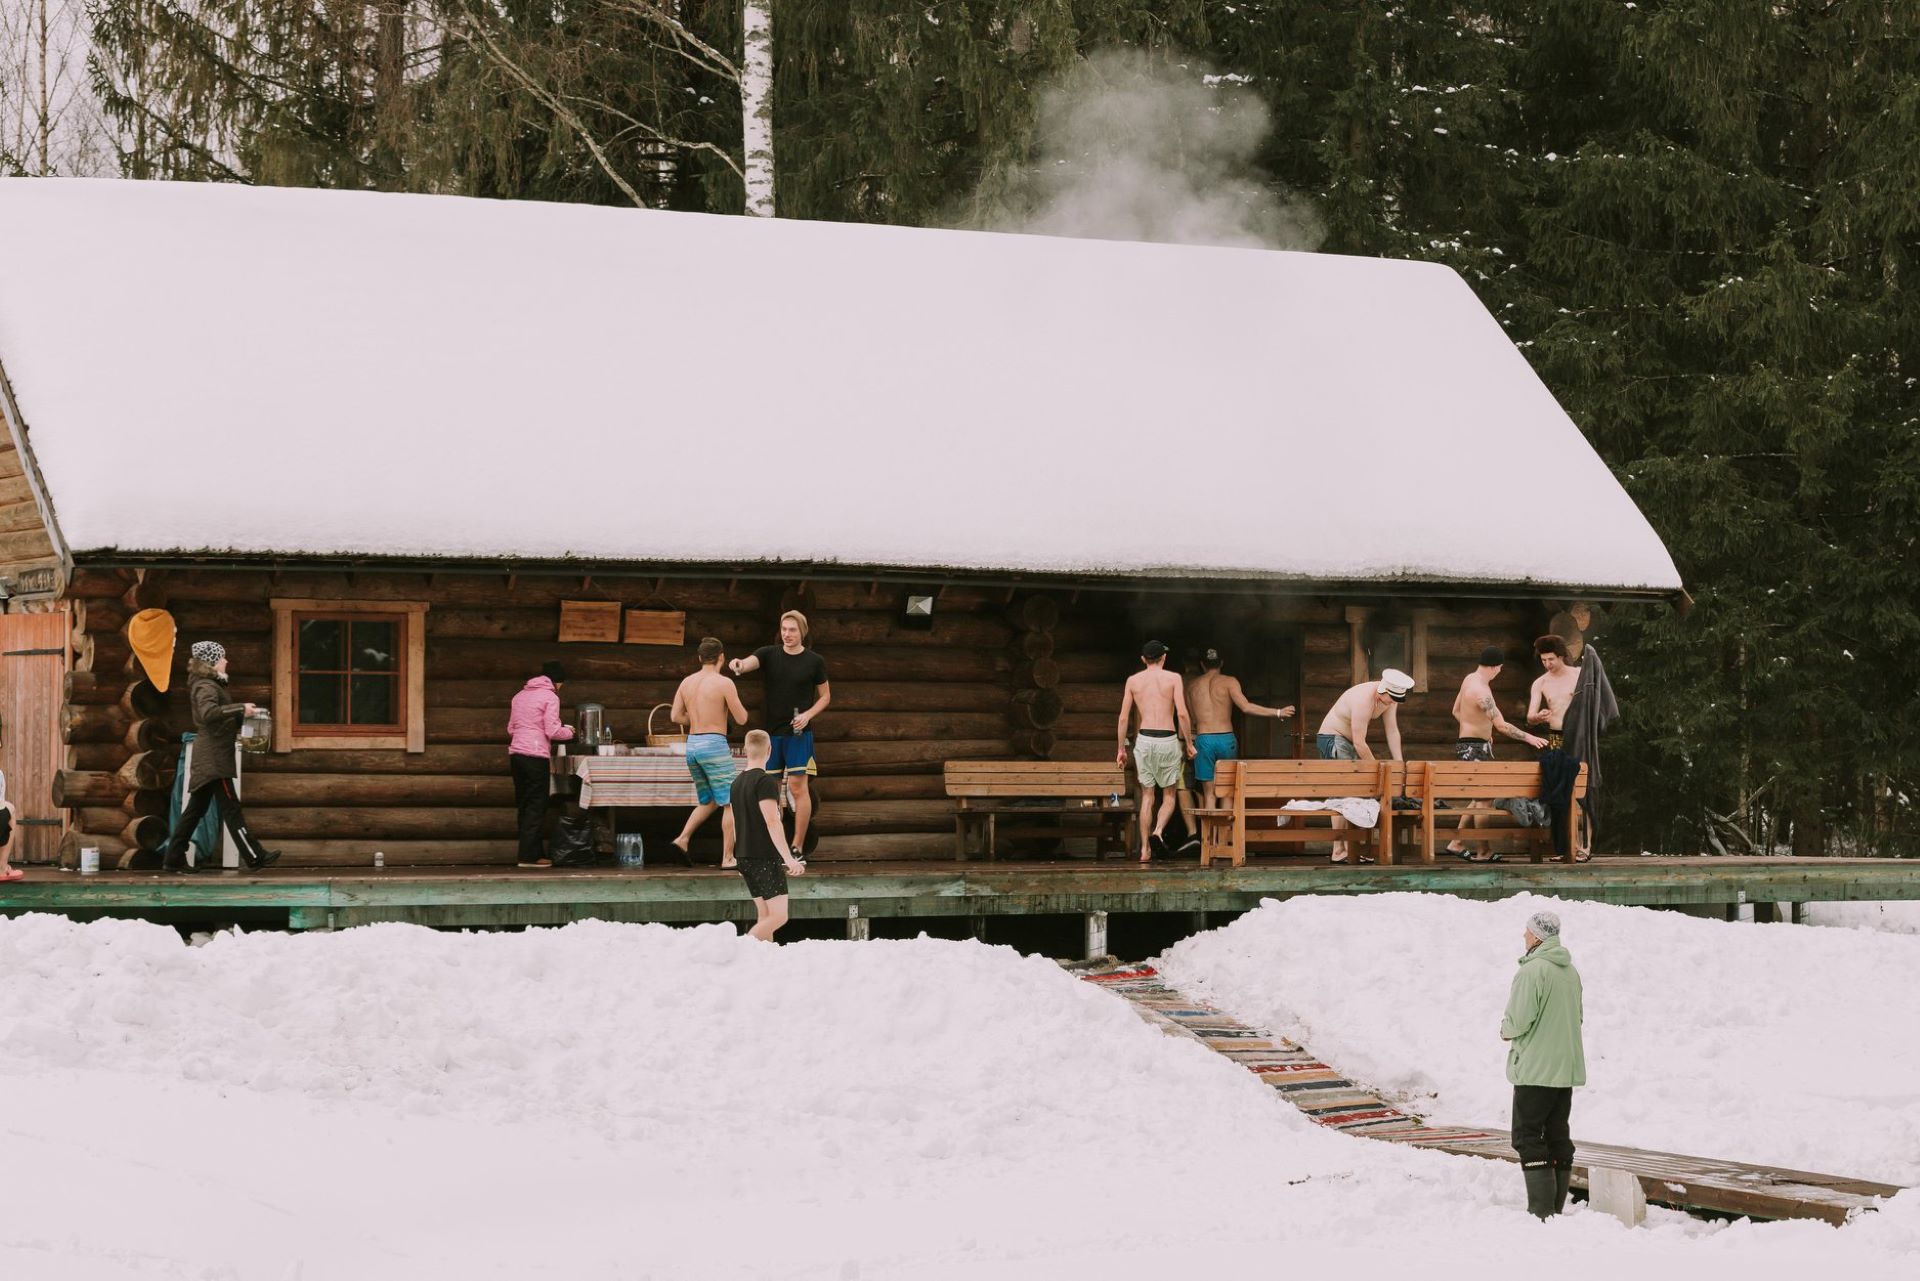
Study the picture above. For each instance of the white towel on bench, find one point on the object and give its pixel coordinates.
(1357, 810)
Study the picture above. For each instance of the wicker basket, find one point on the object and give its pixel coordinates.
(674, 739)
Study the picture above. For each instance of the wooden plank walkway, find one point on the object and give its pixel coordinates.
(463, 897)
(1330, 1099)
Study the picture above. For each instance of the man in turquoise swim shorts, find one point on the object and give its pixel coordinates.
(1213, 696)
(703, 703)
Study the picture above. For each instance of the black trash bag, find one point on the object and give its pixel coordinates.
(574, 841)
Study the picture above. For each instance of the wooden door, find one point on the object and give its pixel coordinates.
(33, 669)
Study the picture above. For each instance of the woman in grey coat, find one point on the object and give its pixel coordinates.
(216, 724)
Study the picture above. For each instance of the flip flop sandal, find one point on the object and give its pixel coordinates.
(1487, 856)
(1586, 857)
(14, 874)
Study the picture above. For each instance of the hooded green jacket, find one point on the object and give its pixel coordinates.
(1544, 1013)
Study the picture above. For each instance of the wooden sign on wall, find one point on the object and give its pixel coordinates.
(590, 620)
(656, 627)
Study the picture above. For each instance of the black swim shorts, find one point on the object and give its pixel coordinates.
(765, 879)
(1473, 749)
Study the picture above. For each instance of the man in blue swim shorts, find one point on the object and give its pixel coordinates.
(702, 704)
(1213, 696)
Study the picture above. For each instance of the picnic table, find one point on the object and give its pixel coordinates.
(646, 776)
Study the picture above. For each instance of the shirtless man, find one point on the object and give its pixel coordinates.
(702, 704)
(1477, 713)
(1158, 758)
(1553, 688)
(1552, 693)
(1343, 732)
(1213, 696)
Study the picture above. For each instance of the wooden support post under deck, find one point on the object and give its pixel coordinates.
(977, 928)
(857, 925)
(1096, 935)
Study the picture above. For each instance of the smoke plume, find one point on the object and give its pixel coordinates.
(1125, 149)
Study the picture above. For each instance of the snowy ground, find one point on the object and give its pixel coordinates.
(621, 1101)
(1769, 1043)
(1894, 918)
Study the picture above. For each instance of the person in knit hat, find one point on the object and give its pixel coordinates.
(1545, 1062)
(216, 724)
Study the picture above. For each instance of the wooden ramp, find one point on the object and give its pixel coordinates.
(1667, 1178)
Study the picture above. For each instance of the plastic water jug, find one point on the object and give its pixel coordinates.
(629, 850)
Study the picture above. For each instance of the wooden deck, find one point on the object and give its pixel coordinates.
(1666, 1178)
(491, 896)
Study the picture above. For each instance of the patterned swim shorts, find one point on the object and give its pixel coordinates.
(1473, 749)
(713, 768)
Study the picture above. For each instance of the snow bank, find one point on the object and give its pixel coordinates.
(1895, 917)
(622, 1101)
(418, 362)
(1763, 1043)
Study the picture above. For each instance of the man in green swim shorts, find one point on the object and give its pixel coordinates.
(1161, 748)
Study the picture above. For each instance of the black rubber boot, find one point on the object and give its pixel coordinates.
(267, 858)
(1562, 1185)
(1540, 1182)
(171, 866)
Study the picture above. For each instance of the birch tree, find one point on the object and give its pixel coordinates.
(48, 121)
(756, 104)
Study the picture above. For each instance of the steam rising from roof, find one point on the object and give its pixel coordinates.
(1129, 148)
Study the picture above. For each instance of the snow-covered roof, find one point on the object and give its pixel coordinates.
(214, 368)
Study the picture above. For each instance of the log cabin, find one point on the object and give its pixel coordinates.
(441, 431)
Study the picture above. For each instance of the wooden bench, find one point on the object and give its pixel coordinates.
(986, 792)
(1461, 783)
(1252, 793)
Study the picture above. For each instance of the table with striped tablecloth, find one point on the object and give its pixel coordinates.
(649, 776)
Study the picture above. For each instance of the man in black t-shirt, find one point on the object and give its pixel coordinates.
(760, 844)
(797, 691)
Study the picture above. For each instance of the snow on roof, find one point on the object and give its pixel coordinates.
(214, 368)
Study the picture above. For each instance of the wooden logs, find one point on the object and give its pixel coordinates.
(150, 735)
(112, 846)
(91, 756)
(1033, 742)
(145, 832)
(99, 818)
(376, 790)
(145, 770)
(108, 655)
(148, 802)
(141, 699)
(80, 723)
(1034, 613)
(105, 584)
(1039, 673)
(100, 616)
(89, 688)
(330, 823)
(1034, 645)
(75, 788)
(1036, 708)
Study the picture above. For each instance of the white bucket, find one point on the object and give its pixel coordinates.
(90, 860)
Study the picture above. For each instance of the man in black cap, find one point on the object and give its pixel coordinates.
(1477, 714)
(1161, 749)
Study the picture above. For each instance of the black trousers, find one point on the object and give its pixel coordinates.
(1540, 1133)
(231, 815)
(531, 776)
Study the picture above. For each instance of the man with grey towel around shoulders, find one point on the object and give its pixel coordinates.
(1545, 1062)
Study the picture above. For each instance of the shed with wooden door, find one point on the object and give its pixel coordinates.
(986, 467)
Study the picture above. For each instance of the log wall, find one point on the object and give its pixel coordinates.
(996, 675)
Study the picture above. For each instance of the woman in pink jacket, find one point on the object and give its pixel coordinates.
(533, 727)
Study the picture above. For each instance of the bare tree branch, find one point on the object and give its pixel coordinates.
(560, 109)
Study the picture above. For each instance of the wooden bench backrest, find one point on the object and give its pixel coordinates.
(1036, 778)
(1489, 780)
(1297, 780)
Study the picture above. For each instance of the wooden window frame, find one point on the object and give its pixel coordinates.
(1417, 624)
(412, 735)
